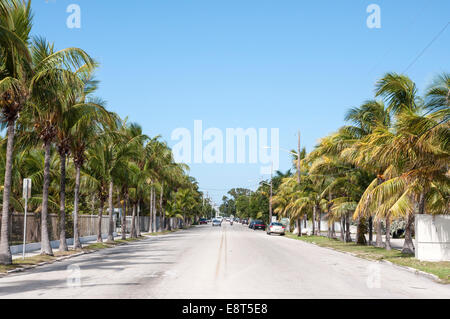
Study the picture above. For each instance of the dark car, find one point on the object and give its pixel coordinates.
(244, 222)
(203, 221)
(258, 224)
(251, 224)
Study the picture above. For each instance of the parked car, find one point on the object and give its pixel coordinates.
(276, 228)
(244, 222)
(251, 224)
(203, 221)
(258, 224)
(217, 222)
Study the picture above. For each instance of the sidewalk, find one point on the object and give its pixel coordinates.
(38, 252)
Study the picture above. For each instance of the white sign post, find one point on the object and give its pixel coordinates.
(26, 196)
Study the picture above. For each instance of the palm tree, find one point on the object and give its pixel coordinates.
(108, 158)
(15, 77)
(49, 108)
(401, 94)
(365, 119)
(414, 153)
(87, 120)
(283, 198)
(75, 119)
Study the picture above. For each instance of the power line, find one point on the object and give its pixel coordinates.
(406, 27)
(426, 48)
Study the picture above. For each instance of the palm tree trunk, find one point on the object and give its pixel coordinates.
(124, 219)
(333, 230)
(46, 248)
(138, 230)
(169, 224)
(408, 247)
(422, 201)
(319, 221)
(160, 225)
(379, 230)
(76, 234)
(133, 232)
(330, 221)
(152, 217)
(348, 236)
(361, 232)
(111, 211)
(99, 221)
(5, 252)
(314, 221)
(161, 209)
(378, 223)
(342, 228)
(62, 204)
(155, 212)
(388, 233)
(299, 226)
(370, 231)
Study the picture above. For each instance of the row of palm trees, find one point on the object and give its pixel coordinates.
(390, 163)
(80, 156)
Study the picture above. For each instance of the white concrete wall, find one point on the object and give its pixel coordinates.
(433, 238)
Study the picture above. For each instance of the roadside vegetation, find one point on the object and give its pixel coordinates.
(387, 165)
(81, 157)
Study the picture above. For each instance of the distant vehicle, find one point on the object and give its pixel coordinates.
(244, 222)
(217, 222)
(276, 228)
(203, 221)
(258, 224)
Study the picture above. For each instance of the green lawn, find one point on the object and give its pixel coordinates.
(440, 269)
(35, 260)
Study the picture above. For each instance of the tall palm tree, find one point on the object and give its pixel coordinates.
(15, 76)
(47, 110)
(365, 119)
(73, 120)
(414, 152)
(87, 120)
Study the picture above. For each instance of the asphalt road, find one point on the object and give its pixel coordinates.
(228, 262)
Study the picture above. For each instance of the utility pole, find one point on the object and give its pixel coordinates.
(299, 173)
(299, 176)
(271, 195)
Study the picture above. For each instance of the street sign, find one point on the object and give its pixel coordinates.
(27, 188)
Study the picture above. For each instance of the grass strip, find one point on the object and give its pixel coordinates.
(440, 269)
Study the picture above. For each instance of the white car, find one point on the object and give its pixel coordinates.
(276, 228)
(217, 222)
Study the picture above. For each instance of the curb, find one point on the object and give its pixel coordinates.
(409, 269)
(416, 271)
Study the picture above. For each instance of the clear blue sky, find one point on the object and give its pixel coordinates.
(247, 63)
